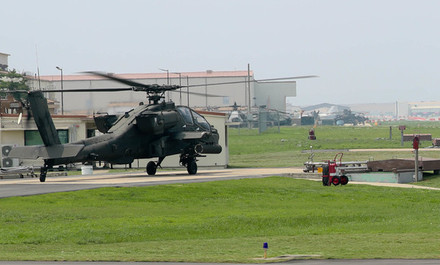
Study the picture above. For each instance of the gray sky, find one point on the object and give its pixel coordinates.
(363, 51)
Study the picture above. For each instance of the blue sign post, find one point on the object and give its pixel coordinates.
(265, 247)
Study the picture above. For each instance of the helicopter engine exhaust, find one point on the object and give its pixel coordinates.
(198, 148)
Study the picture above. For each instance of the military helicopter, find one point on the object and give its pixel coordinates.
(159, 129)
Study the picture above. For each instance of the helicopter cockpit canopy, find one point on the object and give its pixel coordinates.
(192, 118)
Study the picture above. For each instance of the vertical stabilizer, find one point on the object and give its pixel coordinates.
(42, 118)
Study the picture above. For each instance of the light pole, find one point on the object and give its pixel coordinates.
(180, 84)
(62, 88)
(187, 90)
(168, 80)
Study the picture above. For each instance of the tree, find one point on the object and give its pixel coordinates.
(12, 81)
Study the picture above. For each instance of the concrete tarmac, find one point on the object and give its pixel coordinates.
(32, 186)
(305, 262)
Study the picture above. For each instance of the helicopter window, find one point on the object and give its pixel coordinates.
(186, 114)
(200, 121)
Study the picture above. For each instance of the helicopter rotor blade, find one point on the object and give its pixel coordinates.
(117, 89)
(255, 81)
(286, 78)
(120, 89)
(198, 94)
(154, 88)
(117, 79)
(13, 91)
(136, 86)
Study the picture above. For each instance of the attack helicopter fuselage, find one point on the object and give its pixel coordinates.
(149, 131)
(155, 130)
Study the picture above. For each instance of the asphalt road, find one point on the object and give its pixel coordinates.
(305, 262)
(32, 186)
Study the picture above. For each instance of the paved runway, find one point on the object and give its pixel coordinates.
(305, 262)
(32, 186)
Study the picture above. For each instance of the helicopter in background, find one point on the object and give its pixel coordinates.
(156, 130)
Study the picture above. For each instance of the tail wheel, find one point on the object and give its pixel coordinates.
(344, 180)
(43, 172)
(151, 168)
(42, 177)
(192, 167)
(336, 180)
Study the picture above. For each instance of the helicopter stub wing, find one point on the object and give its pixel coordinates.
(46, 152)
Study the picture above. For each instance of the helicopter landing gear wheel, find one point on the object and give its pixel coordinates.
(192, 167)
(151, 168)
(43, 173)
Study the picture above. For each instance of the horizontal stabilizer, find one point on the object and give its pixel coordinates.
(46, 152)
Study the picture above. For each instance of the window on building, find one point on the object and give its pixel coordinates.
(91, 133)
(33, 137)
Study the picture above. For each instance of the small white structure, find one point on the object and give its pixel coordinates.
(4, 61)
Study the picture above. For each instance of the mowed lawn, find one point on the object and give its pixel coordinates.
(224, 221)
(291, 147)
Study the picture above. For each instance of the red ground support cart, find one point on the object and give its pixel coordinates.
(333, 173)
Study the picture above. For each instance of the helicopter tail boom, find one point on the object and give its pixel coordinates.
(46, 152)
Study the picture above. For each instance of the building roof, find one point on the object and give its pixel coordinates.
(133, 76)
(323, 105)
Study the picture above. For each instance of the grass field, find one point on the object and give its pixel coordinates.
(225, 221)
(291, 147)
(228, 221)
